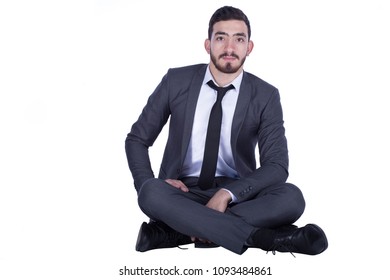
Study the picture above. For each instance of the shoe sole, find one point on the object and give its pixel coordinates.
(205, 245)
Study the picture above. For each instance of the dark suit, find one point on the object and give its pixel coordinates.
(258, 119)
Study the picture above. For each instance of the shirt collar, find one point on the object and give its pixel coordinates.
(236, 82)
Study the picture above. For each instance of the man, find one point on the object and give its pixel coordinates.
(209, 190)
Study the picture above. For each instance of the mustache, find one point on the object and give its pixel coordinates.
(227, 54)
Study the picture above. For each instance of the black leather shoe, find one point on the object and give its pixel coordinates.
(155, 235)
(309, 240)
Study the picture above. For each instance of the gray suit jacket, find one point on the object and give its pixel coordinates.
(258, 119)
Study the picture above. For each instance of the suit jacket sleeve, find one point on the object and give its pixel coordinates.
(144, 132)
(273, 152)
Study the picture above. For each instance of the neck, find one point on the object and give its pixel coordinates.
(224, 79)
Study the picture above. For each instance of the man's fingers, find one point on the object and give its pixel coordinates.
(177, 184)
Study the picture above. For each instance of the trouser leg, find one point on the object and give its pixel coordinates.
(273, 207)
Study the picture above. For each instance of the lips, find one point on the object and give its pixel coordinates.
(229, 56)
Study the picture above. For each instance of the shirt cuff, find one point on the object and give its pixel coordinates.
(234, 198)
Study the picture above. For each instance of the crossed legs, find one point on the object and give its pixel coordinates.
(186, 212)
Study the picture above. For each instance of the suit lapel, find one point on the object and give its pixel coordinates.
(193, 94)
(241, 110)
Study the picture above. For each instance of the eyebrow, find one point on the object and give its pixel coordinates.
(240, 34)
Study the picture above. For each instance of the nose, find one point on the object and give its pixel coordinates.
(229, 47)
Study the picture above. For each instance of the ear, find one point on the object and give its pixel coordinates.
(207, 45)
(250, 47)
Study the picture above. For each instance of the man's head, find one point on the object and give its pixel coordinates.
(228, 40)
(228, 13)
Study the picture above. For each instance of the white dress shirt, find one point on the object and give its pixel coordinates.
(194, 157)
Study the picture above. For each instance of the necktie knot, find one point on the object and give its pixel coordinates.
(220, 90)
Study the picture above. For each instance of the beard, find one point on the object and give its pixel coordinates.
(227, 68)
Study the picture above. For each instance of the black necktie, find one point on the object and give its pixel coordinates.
(210, 157)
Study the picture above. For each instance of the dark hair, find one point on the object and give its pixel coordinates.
(228, 13)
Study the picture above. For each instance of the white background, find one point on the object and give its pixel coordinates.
(74, 76)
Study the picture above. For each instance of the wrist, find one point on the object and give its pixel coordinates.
(227, 195)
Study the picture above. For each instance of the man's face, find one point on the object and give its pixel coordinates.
(229, 45)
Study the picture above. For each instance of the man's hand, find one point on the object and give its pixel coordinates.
(219, 201)
(177, 184)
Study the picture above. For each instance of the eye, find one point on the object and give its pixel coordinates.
(241, 40)
(219, 38)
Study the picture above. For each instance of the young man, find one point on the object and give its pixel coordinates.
(209, 190)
